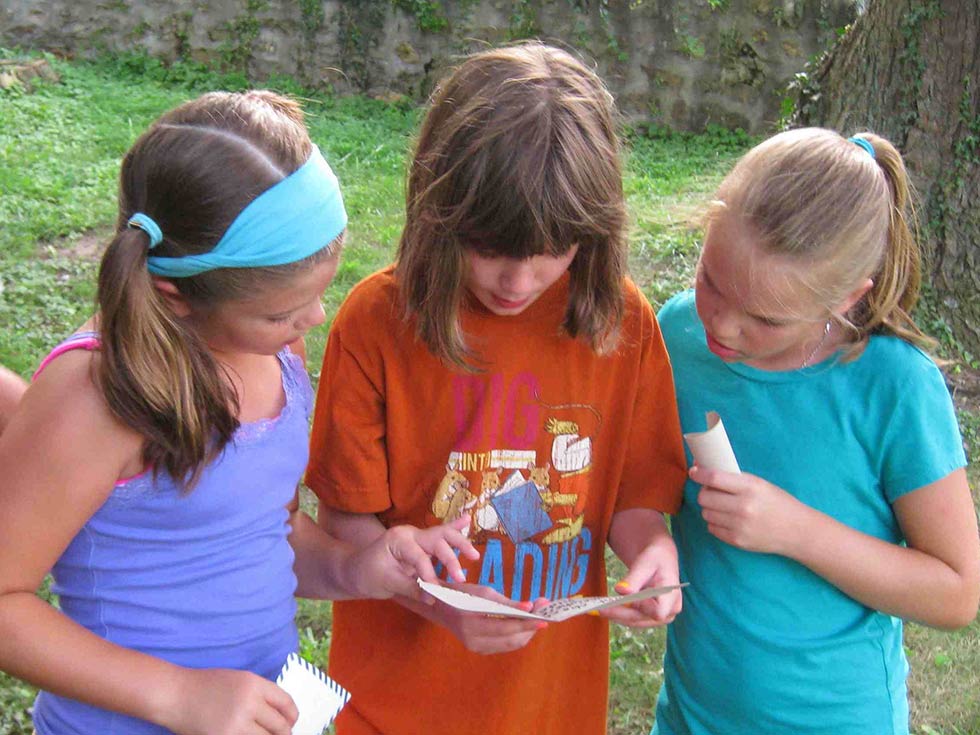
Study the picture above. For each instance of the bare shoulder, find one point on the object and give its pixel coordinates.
(65, 416)
(60, 458)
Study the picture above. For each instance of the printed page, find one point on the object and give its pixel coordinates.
(555, 612)
(711, 449)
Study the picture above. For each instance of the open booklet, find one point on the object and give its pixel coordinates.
(555, 612)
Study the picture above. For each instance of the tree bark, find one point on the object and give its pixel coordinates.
(910, 70)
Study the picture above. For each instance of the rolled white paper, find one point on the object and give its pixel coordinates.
(711, 448)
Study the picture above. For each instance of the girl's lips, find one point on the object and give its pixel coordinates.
(508, 304)
(723, 351)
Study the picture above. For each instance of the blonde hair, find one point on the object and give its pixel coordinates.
(195, 169)
(844, 215)
(518, 156)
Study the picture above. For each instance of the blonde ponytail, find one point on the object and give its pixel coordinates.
(889, 303)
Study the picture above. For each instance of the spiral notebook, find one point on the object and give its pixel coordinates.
(318, 697)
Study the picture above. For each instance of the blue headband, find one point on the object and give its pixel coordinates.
(144, 222)
(289, 221)
(863, 143)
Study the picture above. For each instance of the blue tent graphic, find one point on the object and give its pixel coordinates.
(520, 512)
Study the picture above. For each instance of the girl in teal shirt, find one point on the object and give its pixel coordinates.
(852, 510)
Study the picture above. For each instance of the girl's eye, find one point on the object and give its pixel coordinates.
(770, 322)
(280, 319)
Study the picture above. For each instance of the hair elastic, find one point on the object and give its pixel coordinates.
(300, 215)
(864, 143)
(145, 222)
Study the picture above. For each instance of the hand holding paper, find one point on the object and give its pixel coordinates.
(711, 448)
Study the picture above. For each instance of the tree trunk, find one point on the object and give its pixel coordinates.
(910, 71)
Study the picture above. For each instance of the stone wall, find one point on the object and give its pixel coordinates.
(680, 63)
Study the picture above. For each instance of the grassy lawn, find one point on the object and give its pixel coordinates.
(60, 148)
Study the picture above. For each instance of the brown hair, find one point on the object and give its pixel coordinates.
(819, 198)
(518, 156)
(195, 169)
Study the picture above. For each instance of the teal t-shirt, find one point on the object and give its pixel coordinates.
(763, 644)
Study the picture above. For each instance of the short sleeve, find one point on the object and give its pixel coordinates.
(348, 467)
(655, 465)
(922, 441)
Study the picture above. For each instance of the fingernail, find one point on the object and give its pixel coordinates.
(594, 613)
(622, 586)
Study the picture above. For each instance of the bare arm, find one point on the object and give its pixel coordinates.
(12, 388)
(640, 538)
(372, 561)
(60, 458)
(935, 580)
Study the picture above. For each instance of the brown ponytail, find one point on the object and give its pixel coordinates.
(156, 375)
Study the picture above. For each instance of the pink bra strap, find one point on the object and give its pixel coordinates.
(81, 341)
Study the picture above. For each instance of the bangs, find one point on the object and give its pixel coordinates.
(519, 201)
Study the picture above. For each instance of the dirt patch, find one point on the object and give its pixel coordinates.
(24, 74)
(87, 247)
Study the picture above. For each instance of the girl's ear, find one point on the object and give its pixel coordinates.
(854, 296)
(172, 296)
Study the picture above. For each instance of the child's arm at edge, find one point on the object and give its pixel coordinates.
(12, 388)
(640, 538)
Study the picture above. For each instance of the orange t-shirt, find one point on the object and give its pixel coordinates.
(540, 449)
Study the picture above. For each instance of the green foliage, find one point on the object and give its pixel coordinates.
(236, 51)
(613, 47)
(16, 700)
(691, 45)
(909, 58)
(429, 14)
(523, 21)
(312, 13)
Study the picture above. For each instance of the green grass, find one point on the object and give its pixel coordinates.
(60, 148)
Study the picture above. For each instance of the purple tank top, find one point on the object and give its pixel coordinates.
(201, 579)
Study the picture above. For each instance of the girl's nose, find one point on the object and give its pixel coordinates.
(314, 316)
(518, 277)
(724, 325)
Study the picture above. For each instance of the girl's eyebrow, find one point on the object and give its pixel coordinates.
(775, 321)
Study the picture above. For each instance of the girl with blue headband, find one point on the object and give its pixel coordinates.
(851, 510)
(153, 465)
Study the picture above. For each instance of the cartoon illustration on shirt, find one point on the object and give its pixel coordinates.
(453, 498)
(485, 518)
(529, 503)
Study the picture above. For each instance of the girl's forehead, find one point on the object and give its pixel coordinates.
(740, 268)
